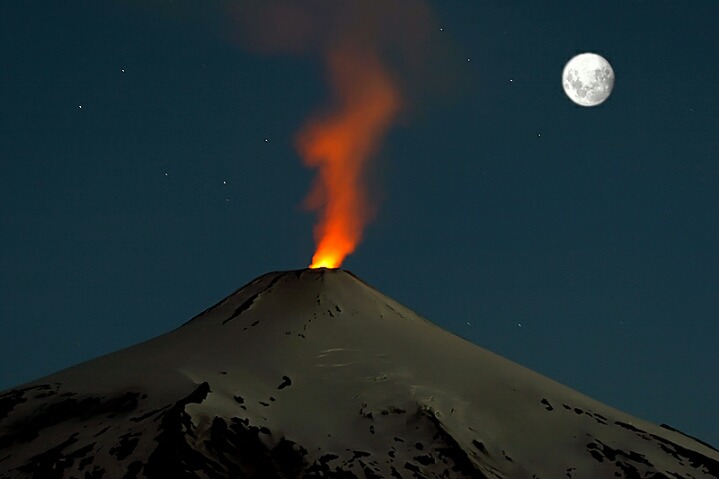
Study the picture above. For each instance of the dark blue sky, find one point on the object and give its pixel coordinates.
(148, 169)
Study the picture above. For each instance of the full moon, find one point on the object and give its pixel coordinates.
(588, 79)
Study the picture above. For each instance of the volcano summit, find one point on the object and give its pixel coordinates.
(313, 373)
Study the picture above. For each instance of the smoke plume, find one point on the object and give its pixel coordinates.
(374, 54)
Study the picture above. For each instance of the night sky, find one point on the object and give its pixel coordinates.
(149, 169)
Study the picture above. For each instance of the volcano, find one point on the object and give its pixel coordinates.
(314, 373)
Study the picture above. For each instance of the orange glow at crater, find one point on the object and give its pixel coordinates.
(339, 143)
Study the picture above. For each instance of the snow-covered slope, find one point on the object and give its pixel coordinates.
(313, 373)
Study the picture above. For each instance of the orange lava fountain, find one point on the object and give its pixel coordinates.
(339, 143)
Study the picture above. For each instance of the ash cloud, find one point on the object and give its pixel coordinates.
(403, 33)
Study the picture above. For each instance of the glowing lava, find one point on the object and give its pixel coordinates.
(339, 144)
